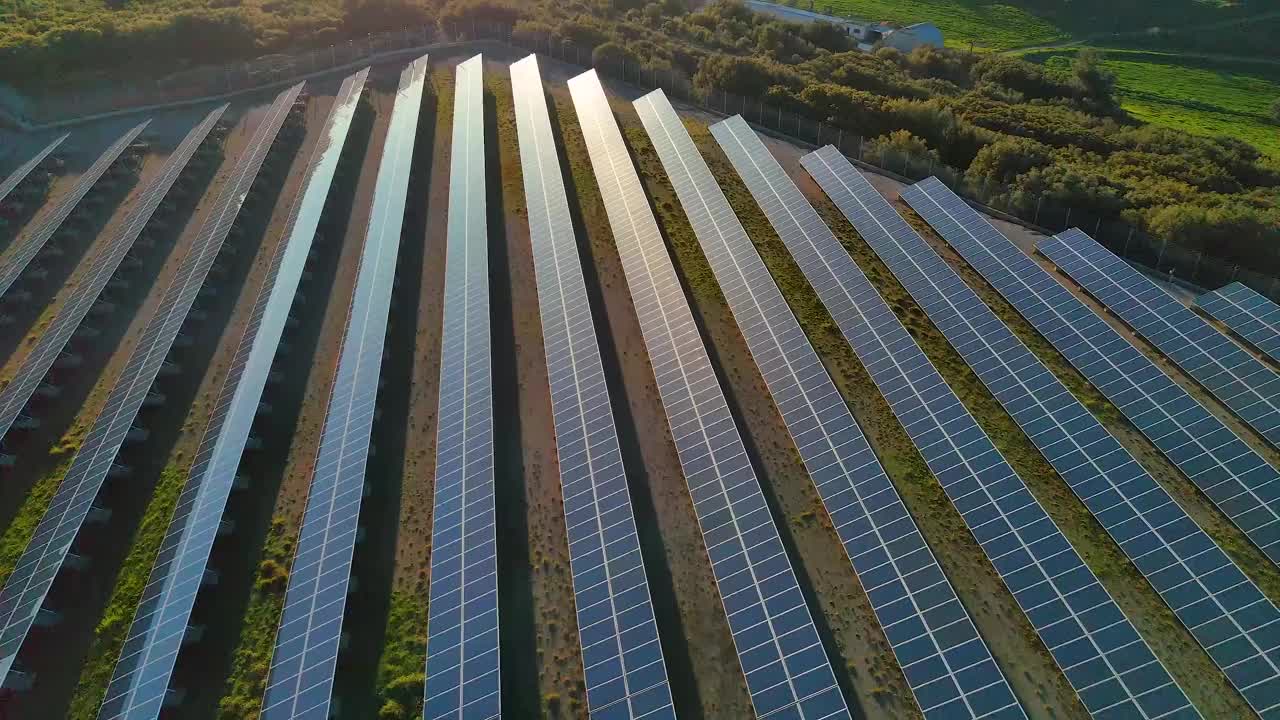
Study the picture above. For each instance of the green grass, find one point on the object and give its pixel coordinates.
(18, 534)
(110, 634)
(252, 660)
(400, 671)
(1193, 95)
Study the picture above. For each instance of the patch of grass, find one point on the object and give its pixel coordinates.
(251, 663)
(18, 534)
(990, 25)
(400, 671)
(1192, 94)
(110, 634)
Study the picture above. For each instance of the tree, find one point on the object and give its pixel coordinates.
(1097, 82)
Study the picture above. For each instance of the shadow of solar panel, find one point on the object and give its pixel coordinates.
(58, 332)
(786, 668)
(33, 239)
(300, 681)
(622, 656)
(462, 630)
(1226, 613)
(1110, 666)
(1246, 386)
(1247, 314)
(25, 590)
(23, 170)
(948, 666)
(151, 648)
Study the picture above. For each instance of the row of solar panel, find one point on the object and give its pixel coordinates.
(949, 668)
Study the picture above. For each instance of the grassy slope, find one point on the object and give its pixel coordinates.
(1193, 95)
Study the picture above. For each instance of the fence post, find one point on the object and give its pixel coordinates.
(1126, 242)
(840, 140)
(1160, 258)
(1195, 269)
(859, 147)
(1039, 201)
(819, 133)
(1235, 271)
(1066, 223)
(1097, 229)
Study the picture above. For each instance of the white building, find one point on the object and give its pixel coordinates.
(866, 33)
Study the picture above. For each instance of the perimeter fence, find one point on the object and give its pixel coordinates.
(1173, 262)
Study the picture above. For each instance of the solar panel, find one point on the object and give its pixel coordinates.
(462, 629)
(82, 296)
(1248, 314)
(626, 675)
(25, 590)
(1227, 470)
(786, 668)
(300, 682)
(948, 666)
(17, 176)
(29, 244)
(1225, 612)
(1110, 666)
(151, 648)
(1235, 377)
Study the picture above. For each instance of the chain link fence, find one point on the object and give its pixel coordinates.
(1176, 263)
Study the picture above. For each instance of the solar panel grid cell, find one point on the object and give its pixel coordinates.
(1226, 469)
(948, 666)
(462, 641)
(27, 586)
(21, 173)
(300, 682)
(1226, 613)
(1246, 313)
(32, 241)
(151, 648)
(1103, 657)
(787, 671)
(1246, 386)
(622, 656)
(82, 296)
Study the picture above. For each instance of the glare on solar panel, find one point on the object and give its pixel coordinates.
(462, 629)
(1226, 613)
(782, 657)
(1246, 313)
(20, 174)
(151, 648)
(1226, 469)
(33, 239)
(948, 666)
(1246, 386)
(1110, 666)
(26, 588)
(58, 332)
(622, 656)
(300, 681)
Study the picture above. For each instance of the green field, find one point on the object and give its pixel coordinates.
(1006, 24)
(1194, 95)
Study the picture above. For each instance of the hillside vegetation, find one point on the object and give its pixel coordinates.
(1024, 134)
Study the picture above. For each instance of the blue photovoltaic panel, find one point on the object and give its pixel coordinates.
(300, 682)
(17, 176)
(1226, 613)
(626, 676)
(151, 648)
(462, 630)
(946, 663)
(1231, 474)
(1110, 666)
(25, 590)
(82, 295)
(786, 668)
(33, 239)
(1239, 380)
(1248, 314)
